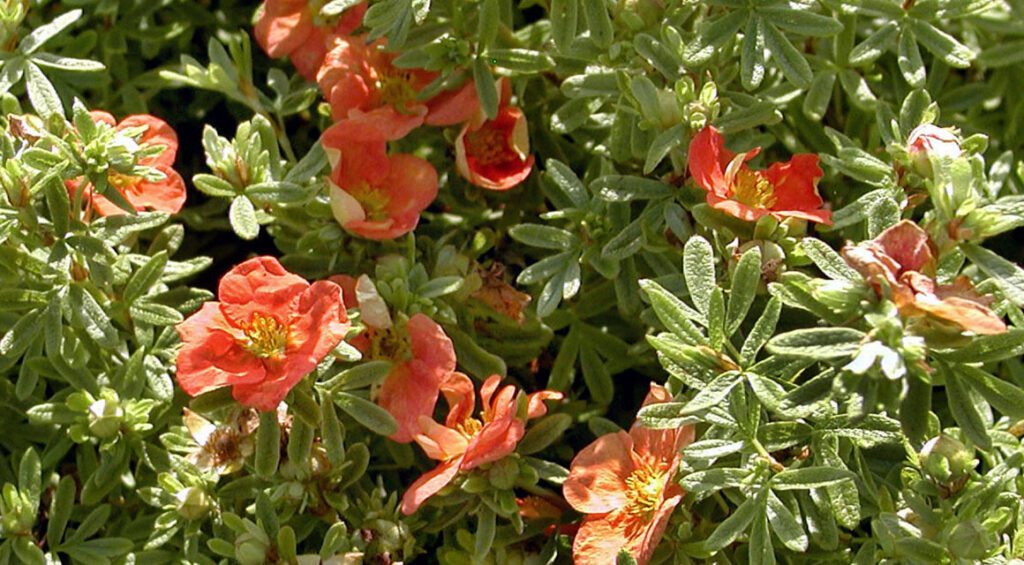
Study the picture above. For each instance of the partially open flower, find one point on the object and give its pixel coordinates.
(900, 265)
(784, 190)
(288, 28)
(421, 355)
(164, 195)
(623, 484)
(464, 442)
(495, 154)
(382, 204)
(269, 330)
(927, 141)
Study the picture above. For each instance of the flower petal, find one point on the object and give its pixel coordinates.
(597, 476)
(429, 484)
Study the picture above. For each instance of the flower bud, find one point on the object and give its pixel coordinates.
(927, 141)
(193, 503)
(946, 459)
(249, 550)
(105, 418)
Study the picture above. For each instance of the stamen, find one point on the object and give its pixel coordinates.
(753, 189)
(644, 490)
(374, 202)
(395, 88)
(267, 337)
(469, 427)
(488, 146)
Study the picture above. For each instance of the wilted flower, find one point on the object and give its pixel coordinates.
(287, 28)
(164, 195)
(784, 190)
(269, 330)
(381, 203)
(464, 442)
(927, 141)
(623, 484)
(221, 448)
(900, 264)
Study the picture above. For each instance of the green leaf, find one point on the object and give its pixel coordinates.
(544, 237)
(1003, 396)
(733, 526)
(40, 35)
(745, 280)
(543, 433)
(242, 216)
(145, 277)
(520, 60)
(792, 63)
(665, 416)
(596, 374)
(909, 60)
(624, 188)
(566, 182)
(801, 22)
(92, 317)
(819, 94)
(1008, 276)
(373, 417)
(29, 476)
(876, 44)
(41, 93)
(759, 548)
(154, 314)
(785, 524)
(809, 477)
(830, 262)
(752, 69)
(966, 412)
(61, 505)
(699, 271)
(942, 45)
(598, 22)
(486, 90)
(714, 393)
(817, 343)
(487, 23)
(564, 17)
(268, 445)
(675, 314)
(484, 536)
(762, 331)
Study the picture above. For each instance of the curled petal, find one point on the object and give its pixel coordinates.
(429, 484)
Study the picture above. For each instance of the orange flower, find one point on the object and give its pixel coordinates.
(369, 96)
(495, 154)
(623, 483)
(379, 196)
(165, 195)
(269, 330)
(421, 354)
(900, 264)
(464, 442)
(784, 190)
(287, 28)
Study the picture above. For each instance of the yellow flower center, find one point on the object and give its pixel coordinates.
(644, 489)
(469, 427)
(266, 336)
(395, 88)
(487, 146)
(122, 181)
(373, 200)
(753, 189)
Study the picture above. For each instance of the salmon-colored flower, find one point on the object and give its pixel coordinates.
(164, 195)
(900, 264)
(464, 443)
(784, 190)
(495, 154)
(287, 28)
(269, 329)
(623, 483)
(421, 355)
(378, 196)
(364, 88)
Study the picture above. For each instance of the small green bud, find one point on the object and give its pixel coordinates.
(105, 418)
(249, 550)
(946, 460)
(193, 504)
